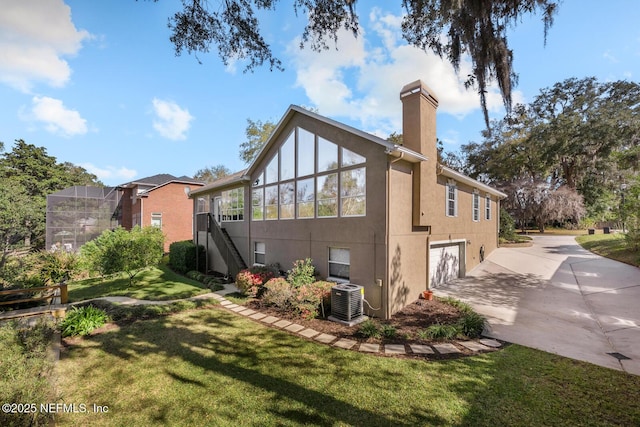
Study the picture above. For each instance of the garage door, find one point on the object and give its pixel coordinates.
(444, 263)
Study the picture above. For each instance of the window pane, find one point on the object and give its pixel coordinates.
(260, 247)
(271, 202)
(339, 255)
(350, 158)
(353, 192)
(305, 195)
(257, 204)
(286, 200)
(327, 155)
(259, 180)
(271, 173)
(306, 152)
(287, 158)
(339, 263)
(327, 195)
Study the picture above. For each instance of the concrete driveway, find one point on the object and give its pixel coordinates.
(559, 298)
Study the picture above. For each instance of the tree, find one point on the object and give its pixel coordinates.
(39, 175)
(450, 28)
(541, 203)
(580, 133)
(257, 133)
(211, 173)
(17, 213)
(124, 251)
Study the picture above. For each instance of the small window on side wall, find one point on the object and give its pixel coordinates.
(156, 220)
(487, 207)
(339, 263)
(452, 199)
(476, 206)
(259, 253)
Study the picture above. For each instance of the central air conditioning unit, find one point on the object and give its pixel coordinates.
(347, 304)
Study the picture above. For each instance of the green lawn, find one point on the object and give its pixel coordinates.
(159, 283)
(213, 367)
(610, 246)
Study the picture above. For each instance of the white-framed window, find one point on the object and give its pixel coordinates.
(339, 263)
(156, 220)
(487, 207)
(452, 199)
(232, 206)
(259, 252)
(476, 206)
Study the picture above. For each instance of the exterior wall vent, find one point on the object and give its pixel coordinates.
(347, 304)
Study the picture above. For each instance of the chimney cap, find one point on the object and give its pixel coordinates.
(418, 87)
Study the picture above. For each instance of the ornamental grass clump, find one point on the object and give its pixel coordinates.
(83, 320)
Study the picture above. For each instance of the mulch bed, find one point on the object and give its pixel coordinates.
(414, 318)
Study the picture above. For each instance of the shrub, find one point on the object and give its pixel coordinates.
(441, 332)
(122, 250)
(471, 324)
(369, 329)
(57, 267)
(184, 256)
(388, 331)
(314, 299)
(302, 273)
(83, 320)
(507, 226)
(250, 281)
(279, 293)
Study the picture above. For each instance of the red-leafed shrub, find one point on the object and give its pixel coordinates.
(314, 299)
(251, 280)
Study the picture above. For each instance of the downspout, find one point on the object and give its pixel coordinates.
(386, 288)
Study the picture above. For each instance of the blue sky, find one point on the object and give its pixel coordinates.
(97, 82)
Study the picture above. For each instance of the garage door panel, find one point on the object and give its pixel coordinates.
(444, 264)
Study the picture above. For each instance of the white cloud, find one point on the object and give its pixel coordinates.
(56, 117)
(171, 121)
(364, 83)
(35, 35)
(111, 173)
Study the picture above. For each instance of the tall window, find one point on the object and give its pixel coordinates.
(487, 207)
(327, 195)
(353, 192)
(257, 204)
(259, 251)
(476, 206)
(156, 220)
(232, 206)
(310, 177)
(271, 202)
(287, 200)
(305, 196)
(452, 199)
(339, 263)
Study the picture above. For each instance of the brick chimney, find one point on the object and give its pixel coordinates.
(419, 106)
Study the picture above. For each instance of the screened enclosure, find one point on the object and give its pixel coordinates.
(79, 214)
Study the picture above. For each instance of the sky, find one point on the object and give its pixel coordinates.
(98, 84)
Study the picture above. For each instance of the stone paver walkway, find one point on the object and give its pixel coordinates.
(456, 348)
(459, 347)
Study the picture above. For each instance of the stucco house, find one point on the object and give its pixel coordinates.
(384, 216)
